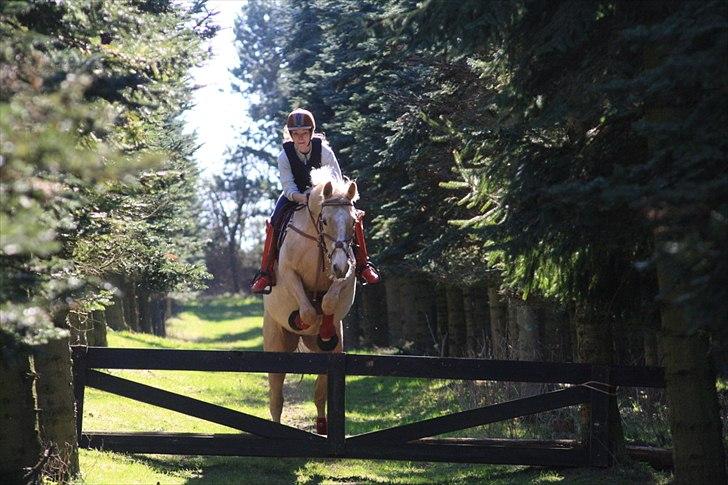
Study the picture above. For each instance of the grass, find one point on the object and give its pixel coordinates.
(233, 323)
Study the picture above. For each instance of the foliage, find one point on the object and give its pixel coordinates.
(95, 175)
(601, 125)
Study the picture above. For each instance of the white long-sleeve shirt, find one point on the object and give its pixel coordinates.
(284, 168)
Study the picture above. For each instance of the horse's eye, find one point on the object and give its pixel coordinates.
(323, 221)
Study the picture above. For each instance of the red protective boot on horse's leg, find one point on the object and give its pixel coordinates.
(265, 279)
(367, 273)
(322, 426)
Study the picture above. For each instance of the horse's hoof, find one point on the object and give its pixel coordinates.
(327, 345)
(321, 426)
(294, 320)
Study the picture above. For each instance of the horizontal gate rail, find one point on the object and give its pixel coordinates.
(364, 365)
(203, 444)
(496, 370)
(413, 441)
(204, 360)
(453, 450)
(476, 417)
(194, 407)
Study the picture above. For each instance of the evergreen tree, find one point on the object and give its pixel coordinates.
(598, 152)
(95, 178)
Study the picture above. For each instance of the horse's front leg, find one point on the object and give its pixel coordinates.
(292, 281)
(331, 298)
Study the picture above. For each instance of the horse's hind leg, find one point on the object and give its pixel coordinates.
(275, 395)
(275, 339)
(319, 396)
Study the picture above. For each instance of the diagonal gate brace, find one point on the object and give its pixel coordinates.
(475, 417)
(194, 407)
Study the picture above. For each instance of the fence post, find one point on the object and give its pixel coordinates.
(336, 402)
(599, 446)
(78, 356)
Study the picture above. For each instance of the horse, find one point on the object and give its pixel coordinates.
(316, 283)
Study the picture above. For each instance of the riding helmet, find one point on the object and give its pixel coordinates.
(301, 119)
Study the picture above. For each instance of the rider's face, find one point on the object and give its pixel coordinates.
(301, 138)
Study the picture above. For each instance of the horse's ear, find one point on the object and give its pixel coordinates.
(352, 192)
(328, 190)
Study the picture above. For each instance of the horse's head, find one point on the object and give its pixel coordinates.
(332, 204)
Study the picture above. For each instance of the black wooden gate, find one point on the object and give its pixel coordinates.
(590, 384)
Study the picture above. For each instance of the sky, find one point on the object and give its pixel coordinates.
(219, 113)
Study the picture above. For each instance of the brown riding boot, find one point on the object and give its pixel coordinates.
(265, 279)
(365, 270)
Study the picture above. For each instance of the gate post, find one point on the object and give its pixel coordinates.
(600, 449)
(78, 358)
(336, 402)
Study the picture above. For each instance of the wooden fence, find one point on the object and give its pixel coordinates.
(590, 384)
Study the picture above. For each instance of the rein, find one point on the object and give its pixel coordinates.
(318, 223)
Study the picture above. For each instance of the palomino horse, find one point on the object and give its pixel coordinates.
(316, 283)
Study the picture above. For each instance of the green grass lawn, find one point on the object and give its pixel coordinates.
(233, 323)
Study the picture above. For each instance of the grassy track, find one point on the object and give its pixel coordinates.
(372, 403)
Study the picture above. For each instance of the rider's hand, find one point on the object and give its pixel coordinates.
(300, 198)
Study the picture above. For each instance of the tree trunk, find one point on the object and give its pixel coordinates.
(595, 346)
(698, 453)
(98, 329)
(57, 406)
(498, 323)
(477, 324)
(374, 315)
(651, 348)
(556, 344)
(352, 324)
(145, 311)
(79, 326)
(529, 341)
(131, 307)
(692, 398)
(158, 310)
(20, 443)
(392, 288)
(115, 315)
(232, 252)
(441, 319)
(416, 297)
(512, 328)
(455, 322)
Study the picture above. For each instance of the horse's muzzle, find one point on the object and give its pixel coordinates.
(341, 271)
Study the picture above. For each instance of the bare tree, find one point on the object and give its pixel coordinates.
(241, 193)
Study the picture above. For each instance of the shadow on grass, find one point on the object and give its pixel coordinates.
(226, 308)
(227, 469)
(253, 333)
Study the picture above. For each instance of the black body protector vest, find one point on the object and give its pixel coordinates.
(302, 171)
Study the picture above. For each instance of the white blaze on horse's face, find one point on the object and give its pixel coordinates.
(338, 224)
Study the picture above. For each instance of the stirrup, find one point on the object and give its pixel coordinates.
(266, 290)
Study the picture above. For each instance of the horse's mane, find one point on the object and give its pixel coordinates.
(319, 178)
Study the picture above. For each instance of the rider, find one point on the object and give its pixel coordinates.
(301, 153)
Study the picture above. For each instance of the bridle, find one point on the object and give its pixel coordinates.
(322, 236)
